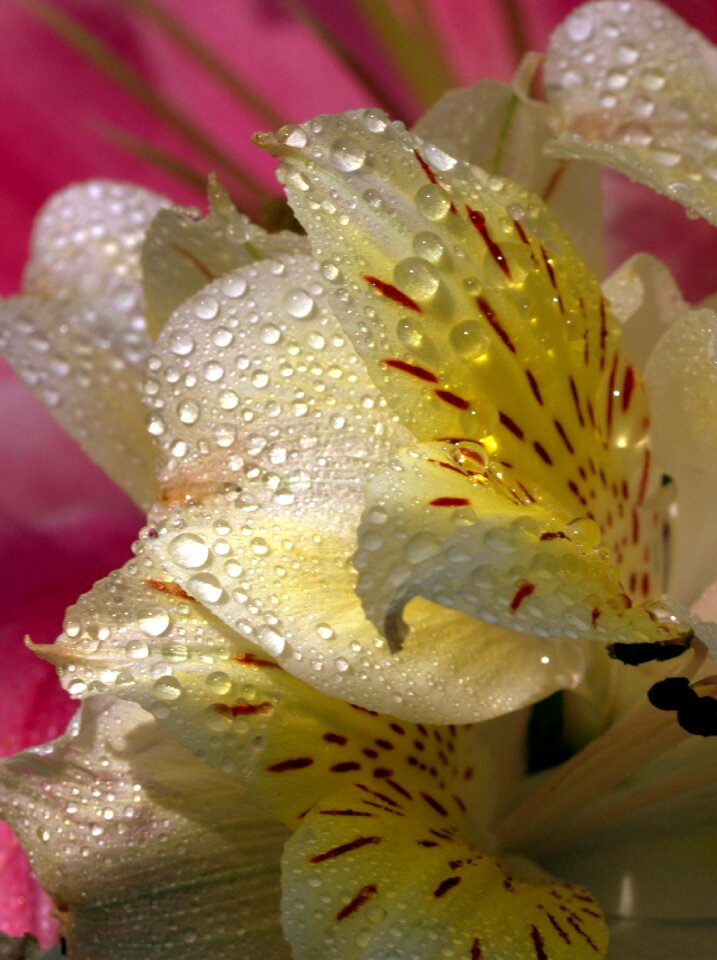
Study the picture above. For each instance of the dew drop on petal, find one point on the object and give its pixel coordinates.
(189, 551)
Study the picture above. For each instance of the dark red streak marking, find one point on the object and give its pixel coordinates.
(393, 293)
(426, 169)
(538, 943)
(476, 952)
(171, 588)
(561, 933)
(363, 896)
(490, 316)
(521, 232)
(297, 763)
(432, 802)
(411, 368)
(542, 453)
(250, 709)
(445, 885)
(336, 738)
(478, 221)
(521, 594)
(446, 466)
(345, 813)
(344, 848)
(511, 425)
(449, 502)
(563, 436)
(554, 535)
(534, 387)
(603, 332)
(249, 660)
(576, 401)
(199, 264)
(611, 394)
(345, 767)
(399, 789)
(628, 387)
(453, 399)
(578, 929)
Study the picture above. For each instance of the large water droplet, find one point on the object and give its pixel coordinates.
(189, 550)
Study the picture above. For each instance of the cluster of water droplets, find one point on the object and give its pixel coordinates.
(77, 334)
(115, 800)
(637, 76)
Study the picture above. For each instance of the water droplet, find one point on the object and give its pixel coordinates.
(429, 246)
(417, 278)
(206, 588)
(206, 308)
(167, 688)
(188, 412)
(348, 155)
(421, 547)
(579, 28)
(469, 339)
(433, 202)
(271, 640)
(189, 551)
(181, 344)
(292, 136)
(154, 624)
(298, 304)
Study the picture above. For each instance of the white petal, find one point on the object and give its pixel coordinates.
(637, 90)
(144, 848)
(681, 378)
(653, 940)
(77, 335)
(182, 253)
(647, 849)
(253, 383)
(646, 300)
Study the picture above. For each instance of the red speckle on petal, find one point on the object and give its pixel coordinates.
(413, 369)
(344, 848)
(450, 502)
(453, 399)
(171, 588)
(478, 221)
(521, 594)
(362, 897)
(393, 293)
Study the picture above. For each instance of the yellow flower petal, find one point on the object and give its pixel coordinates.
(637, 92)
(479, 322)
(442, 523)
(360, 885)
(497, 126)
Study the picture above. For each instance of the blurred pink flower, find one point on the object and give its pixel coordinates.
(62, 524)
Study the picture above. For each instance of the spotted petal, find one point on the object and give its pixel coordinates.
(499, 127)
(350, 780)
(440, 524)
(300, 429)
(402, 873)
(144, 848)
(480, 323)
(76, 335)
(637, 88)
